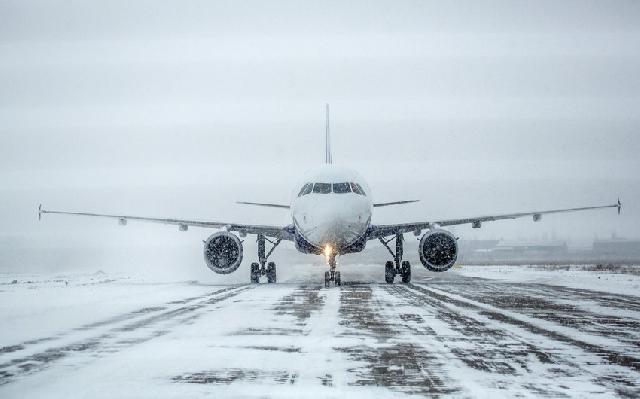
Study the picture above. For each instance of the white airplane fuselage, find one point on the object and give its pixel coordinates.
(331, 211)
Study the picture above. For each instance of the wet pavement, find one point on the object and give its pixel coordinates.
(441, 336)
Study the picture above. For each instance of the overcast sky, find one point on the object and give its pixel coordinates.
(181, 108)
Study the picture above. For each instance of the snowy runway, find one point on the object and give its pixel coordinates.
(443, 335)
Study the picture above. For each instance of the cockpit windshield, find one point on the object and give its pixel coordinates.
(306, 189)
(322, 188)
(341, 188)
(327, 188)
(357, 189)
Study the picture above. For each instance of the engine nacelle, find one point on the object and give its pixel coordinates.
(223, 252)
(438, 250)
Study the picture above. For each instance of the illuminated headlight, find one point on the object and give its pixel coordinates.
(327, 251)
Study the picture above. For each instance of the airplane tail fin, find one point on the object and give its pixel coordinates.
(328, 159)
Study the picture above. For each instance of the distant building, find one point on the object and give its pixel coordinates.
(494, 250)
(474, 249)
(474, 245)
(537, 246)
(520, 249)
(618, 247)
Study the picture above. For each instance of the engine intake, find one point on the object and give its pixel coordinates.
(438, 250)
(223, 252)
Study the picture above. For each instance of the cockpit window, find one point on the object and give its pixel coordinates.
(306, 189)
(326, 188)
(341, 188)
(357, 189)
(322, 188)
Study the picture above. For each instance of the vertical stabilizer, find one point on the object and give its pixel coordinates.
(327, 156)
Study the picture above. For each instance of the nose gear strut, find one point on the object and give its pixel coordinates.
(332, 274)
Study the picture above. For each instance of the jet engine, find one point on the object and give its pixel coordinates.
(223, 252)
(438, 250)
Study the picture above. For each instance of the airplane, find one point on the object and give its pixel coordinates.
(331, 215)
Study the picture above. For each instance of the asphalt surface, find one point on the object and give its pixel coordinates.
(442, 335)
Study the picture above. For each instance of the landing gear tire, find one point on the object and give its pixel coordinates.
(337, 279)
(271, 272)
(405, 272)
(389, 272)
(255, 273)
(327, 279)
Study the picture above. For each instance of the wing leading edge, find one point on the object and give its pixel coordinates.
(268, 205)
(377, 231)
(284, 233)
(379, 204)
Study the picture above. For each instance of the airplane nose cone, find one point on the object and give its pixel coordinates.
(337, 227)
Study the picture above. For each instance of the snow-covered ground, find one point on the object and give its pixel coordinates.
(574, 276)
(514, 332)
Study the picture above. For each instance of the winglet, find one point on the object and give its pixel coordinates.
(39, 211)
(328, 159)
(619, 206)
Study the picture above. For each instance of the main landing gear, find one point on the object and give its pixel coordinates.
(258, 268)
(397, 265)
(332, 274)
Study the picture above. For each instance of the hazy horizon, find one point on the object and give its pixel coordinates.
(179, 109)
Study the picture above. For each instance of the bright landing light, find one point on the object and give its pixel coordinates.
(327, 251)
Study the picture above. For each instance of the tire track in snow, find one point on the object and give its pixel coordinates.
(481, 348)
(542, 328)
(387, 357)
(14, 350)
(483, 325)
(555, 305)
(292, 314)
(117, 338)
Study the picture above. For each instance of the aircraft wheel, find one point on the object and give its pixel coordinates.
(327, 279)
(271, 272)
(405, 272)
(389, 272)
(255, 273)
(338, 281)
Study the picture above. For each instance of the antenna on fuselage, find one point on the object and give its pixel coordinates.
(328, 159)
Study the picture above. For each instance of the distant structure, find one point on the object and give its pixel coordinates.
(537, 249)
(471, 250)
(618, 247)
(548, 251)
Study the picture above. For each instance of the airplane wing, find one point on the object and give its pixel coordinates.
(268, 205)
(379, 204)
(377, 231)
(284, 233)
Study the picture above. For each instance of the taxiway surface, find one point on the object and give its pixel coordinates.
(444, 335)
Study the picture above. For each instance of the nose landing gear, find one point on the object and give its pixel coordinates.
(259, 269)
(397, 265)
(332, 274)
